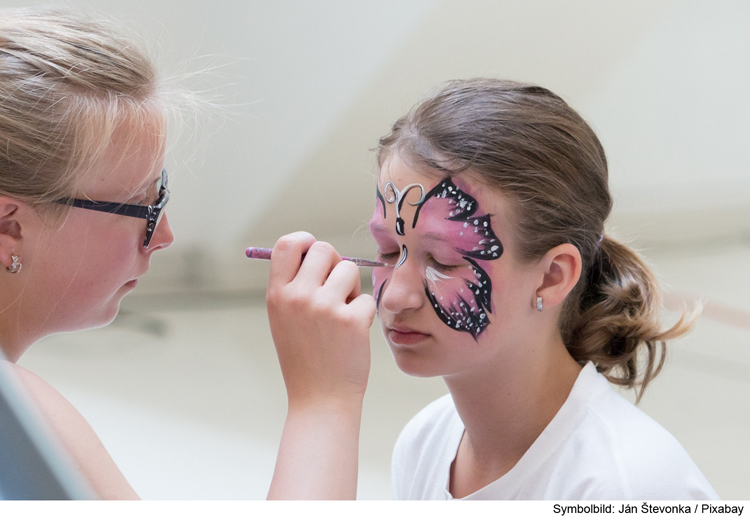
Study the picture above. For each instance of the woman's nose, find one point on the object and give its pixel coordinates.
(163, 236)
(405, 289)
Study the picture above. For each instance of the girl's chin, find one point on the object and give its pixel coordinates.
(416, 364)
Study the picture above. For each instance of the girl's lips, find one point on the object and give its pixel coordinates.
(132, 283)
(404, 337)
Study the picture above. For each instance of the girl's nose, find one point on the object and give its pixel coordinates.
(405, 289)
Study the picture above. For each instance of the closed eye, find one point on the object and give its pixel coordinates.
(440, 267)
(391, 256)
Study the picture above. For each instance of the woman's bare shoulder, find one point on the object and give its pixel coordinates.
(76, 436)
(41, 392)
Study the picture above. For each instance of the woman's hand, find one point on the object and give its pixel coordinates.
(319, 321)
(320, 324)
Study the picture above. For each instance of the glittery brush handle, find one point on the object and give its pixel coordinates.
(265, 253)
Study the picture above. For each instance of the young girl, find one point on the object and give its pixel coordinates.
(82, 196)
(491, 204)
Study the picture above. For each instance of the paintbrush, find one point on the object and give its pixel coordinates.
(265, 253)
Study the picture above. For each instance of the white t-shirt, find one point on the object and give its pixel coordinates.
(599, 446)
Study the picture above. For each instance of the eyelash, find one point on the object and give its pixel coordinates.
(439, 266)
(388, 256)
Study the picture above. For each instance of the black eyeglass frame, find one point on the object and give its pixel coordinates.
(150, 213)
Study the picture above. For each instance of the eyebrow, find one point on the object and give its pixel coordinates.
(431, 235)
(150, 183)
(146, 186)
(434, 236)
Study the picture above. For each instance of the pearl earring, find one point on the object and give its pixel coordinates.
(539, 305)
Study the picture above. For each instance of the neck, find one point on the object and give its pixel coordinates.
(506, 406)
(15, 337)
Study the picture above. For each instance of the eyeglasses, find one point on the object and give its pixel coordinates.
(152, 213)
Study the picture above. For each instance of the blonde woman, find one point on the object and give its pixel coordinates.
(83, 192)
(491, 204)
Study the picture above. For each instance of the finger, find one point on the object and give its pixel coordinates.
(343, 282)
(364, 307)
(287, 256)
(319, 261)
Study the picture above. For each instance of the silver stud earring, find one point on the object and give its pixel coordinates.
(539, 305)
(15, 267)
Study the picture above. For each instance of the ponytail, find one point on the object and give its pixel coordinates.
(618, 317)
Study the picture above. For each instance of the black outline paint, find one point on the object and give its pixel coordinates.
(399, 197)
(380, 294)
(379, 196)
(404, 255)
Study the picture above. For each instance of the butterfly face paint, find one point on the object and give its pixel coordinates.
(461, 297)
(449, 227)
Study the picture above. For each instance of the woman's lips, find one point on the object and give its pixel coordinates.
(132, 283)
(403, 336)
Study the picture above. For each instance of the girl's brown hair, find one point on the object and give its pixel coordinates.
(67, 82)
(526, 142)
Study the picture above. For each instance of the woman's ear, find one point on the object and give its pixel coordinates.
(562, 269)
(10, 230)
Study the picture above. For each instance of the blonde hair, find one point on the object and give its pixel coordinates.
(67, 81)
(526, 142)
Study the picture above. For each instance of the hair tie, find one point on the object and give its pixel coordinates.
(599, 242)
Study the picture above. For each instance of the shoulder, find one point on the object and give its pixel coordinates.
(76, 436)
(44, 396)
(629, 453)
(66, 421)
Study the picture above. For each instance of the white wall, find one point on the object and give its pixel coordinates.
(674, 117)
(306, 88)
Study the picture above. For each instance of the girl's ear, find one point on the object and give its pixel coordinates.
(10, 230)
(562, 269)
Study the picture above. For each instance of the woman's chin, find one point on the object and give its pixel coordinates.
(106, 316)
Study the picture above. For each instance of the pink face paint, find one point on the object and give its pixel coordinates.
(463, 301)
(456, 214)
(437, 284)
(463, 297)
